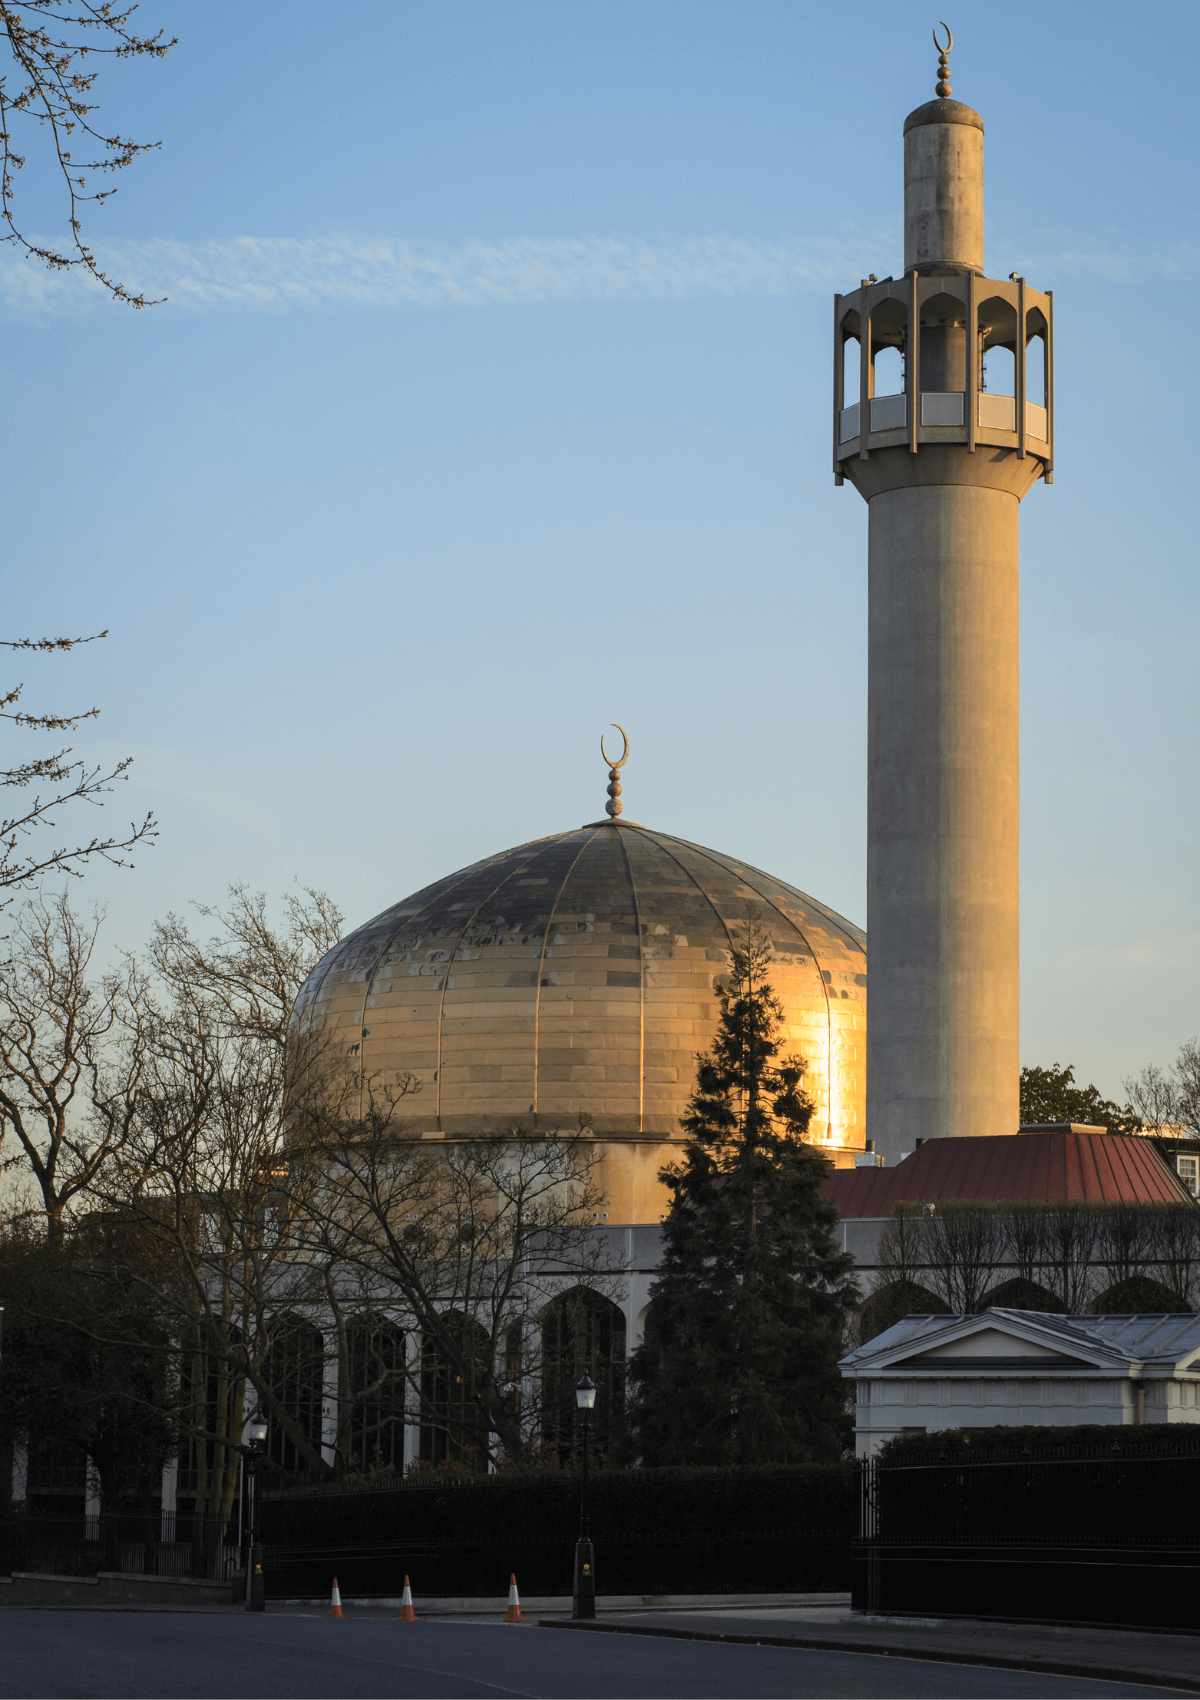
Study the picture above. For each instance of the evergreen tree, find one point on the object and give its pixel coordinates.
(739, 1364)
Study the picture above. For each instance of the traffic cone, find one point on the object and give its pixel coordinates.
(335, 1603)
(514, 1603)
(407, 1614)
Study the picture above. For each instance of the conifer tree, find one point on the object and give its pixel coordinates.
(739, 1363)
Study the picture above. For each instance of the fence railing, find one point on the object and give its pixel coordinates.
(137, 1543)
(655, 1532)
(1105, 1534)
(1095, 1497)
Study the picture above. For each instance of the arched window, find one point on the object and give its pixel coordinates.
(1019, 1293)
(210, 1397)
(889, 339)
(375, 1386)
(851, 358)
(582, 1331)
(1138, 1293)
(889, 371)
(295, 1371)
(891, 1303)
(453, 1423)
(997, 346)
(850, 365)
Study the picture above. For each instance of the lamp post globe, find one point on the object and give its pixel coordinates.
(583, 1604)
(256, 1441)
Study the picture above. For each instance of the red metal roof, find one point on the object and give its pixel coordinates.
(1055, 1166)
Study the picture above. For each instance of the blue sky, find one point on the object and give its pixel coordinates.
(490, 405)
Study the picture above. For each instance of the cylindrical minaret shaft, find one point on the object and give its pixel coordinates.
(943, 488)
(942, 815)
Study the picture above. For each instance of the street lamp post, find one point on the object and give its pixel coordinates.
(583, 1604)
(256, 1587)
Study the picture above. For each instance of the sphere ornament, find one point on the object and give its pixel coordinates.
(943, 89)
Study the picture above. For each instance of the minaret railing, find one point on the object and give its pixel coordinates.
(917, 416)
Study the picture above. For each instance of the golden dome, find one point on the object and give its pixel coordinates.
(575, 975)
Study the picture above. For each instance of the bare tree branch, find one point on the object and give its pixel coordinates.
(48, 42)
(70, 781)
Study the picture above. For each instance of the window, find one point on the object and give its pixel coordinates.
(375, 1383)
(582, 1331)
(1188, 1169)
(454, 1423)
(295, 1369)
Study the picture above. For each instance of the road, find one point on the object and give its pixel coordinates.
(194, 1656)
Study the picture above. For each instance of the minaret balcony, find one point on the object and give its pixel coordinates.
(943, 420)
(977, 351)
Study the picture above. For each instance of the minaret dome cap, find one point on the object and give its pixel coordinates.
(943, 112)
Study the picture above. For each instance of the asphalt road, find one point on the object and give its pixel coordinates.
(65, 1654)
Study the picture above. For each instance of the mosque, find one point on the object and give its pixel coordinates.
(576, 976)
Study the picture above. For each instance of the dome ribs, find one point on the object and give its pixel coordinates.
(740, 872)
(842, 1088)
(584, 1063)
(501, 1064)
(637, 921)
(575, 973)
(537, 1013)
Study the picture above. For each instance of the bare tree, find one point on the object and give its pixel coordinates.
(248, 973)
(1070, 1239)
(69, 781)
(73, 1054)
(1169, 1101)
(202, 1178)
(1125, 1235)
(50, 87)
(468, 1241)
(1175, 1233)
(204, 1168)
(964, 1241)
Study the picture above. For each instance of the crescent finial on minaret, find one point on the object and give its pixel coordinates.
(943, 82)
(614, 805)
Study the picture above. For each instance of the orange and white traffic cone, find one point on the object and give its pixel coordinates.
(514, 1603)
(407, 1614)
(335, 1603)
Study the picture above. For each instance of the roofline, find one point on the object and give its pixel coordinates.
(962, 1327)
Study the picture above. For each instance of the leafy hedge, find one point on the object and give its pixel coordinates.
(1042, 1440)
(686, 1530)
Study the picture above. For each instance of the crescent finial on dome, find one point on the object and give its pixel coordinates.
(614, 806)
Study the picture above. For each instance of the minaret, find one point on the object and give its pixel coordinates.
(943, 466)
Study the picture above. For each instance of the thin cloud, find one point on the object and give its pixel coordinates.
(286, 274)
(283, 274)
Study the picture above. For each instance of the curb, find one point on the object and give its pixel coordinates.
(998, 1661)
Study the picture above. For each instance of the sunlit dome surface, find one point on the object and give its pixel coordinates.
(576, 975)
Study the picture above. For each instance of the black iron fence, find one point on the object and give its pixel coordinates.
(138, 1543)
(1093, 1534)
(681, 1531)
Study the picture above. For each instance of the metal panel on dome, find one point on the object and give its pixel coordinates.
(575, 976)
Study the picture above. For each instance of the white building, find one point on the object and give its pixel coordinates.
(1022, 1367)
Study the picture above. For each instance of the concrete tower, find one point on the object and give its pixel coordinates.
(943, 465)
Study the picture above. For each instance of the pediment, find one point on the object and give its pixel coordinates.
(990, 1348)
(992, 1343)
